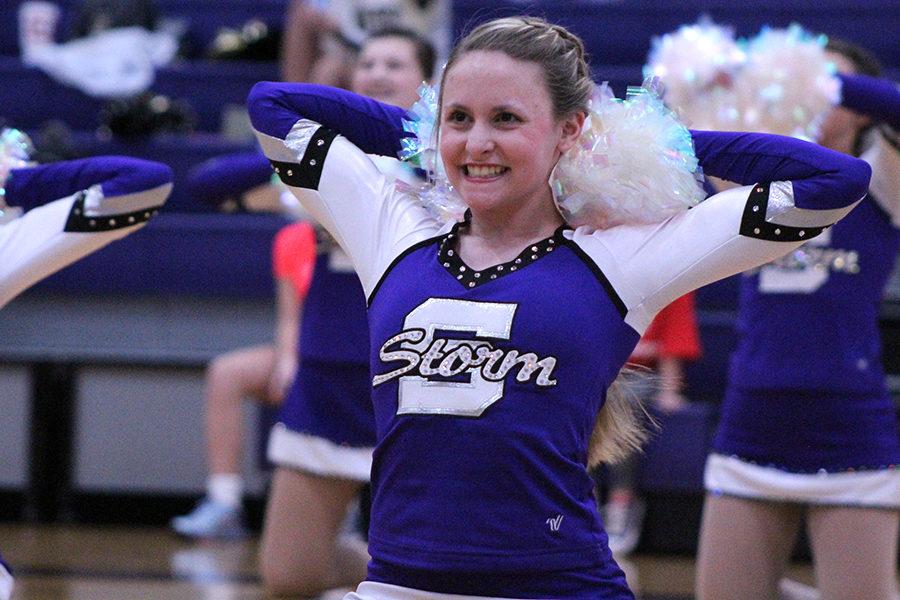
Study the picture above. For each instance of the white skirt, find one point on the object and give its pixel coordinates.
(370, 590)
(732, 476)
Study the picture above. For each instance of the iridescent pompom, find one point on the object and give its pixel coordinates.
(698, 64)
(634, 163)
(436, 194)
(15, 151)
(788, 84)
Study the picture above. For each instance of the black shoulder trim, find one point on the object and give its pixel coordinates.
(754, 224)
(307, 173)
(78, 222)
(610, 290)
(394, 262)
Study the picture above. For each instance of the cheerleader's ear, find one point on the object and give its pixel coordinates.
(571, 130)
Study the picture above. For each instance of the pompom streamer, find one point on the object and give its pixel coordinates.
(634, 163)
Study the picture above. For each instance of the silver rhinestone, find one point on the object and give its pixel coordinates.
(277, 170)
(312, 161)
(777, 232)
(518, 261)
(534, 248)
(802, 233)
(462, 269)
(534, 257)
(449, 252)
(513, 268)
(290, 173)
(446, 264)
(549, 249)
(471, 284)
(146, 215)
(494, 276)
(552, 241)
(500, 268)
(77, 211)
(759, 189)
(92, 223)
(756, 230)
(459, 276)
(755, 209)
(477, 275)
(131, 219)
(320, 143)
(112, 221)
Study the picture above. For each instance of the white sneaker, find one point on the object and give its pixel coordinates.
(623, 523)
(212, 520)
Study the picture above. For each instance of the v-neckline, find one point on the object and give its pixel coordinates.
(470, 278)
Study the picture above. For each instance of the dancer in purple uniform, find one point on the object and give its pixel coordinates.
(68, 210)
(495, 339)
(808, 426)
(322, 443)
(52, 215)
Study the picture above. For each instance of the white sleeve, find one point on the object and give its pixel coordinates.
(53, 236)
(885, 185)
(649, 266)
(342, 189)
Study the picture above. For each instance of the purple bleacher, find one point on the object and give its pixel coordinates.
(212, 255)
(203, 18)
(28, 96)
(619, 31)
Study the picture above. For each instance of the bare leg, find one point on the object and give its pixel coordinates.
(744, 547)
(855, 551)
(230, 378)
(300, 553)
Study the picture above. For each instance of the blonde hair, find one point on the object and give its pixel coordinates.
(623, 423)
(559, 52)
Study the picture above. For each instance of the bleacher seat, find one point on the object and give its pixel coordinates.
(618, 32)
(212, 255)
(29, 97)
(203, 18)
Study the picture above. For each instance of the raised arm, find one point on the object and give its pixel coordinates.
(316, 139)
(74, 208)
(117, 176)
(871, 96)
(798, 190)
(229, 176)
(879, 99)
(374, 127)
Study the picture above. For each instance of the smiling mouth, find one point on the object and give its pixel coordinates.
(484, 171)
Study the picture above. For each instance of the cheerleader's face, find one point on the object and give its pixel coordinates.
(388, 70)
(499, 138)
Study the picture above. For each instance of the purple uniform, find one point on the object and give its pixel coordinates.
(807, 415)
(486, 384)
(71, 209)
(326, 425)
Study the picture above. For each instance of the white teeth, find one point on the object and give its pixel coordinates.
(476, 171)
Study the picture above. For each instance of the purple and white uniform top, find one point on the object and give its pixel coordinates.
(486, 383)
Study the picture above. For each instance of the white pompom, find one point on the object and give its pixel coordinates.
(634, 163)
(697, 63)
(788, 84)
